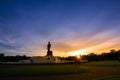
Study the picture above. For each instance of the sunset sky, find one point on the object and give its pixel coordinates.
(71, 26)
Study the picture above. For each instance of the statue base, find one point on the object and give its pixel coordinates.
(49, 53)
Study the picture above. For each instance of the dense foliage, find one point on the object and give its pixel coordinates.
(112, 55)
(12, 58)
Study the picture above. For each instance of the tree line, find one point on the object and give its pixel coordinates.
(111, 55)
(16, 58)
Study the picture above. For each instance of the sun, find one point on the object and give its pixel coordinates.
(78, 52)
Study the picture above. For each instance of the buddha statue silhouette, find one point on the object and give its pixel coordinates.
(49, 52)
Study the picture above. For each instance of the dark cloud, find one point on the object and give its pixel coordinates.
(7, 46)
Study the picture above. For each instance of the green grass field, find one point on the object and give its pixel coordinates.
(93, 70)
(117, 77)
(40, 70)
(106, 64)
(103, 63)
(114, 78)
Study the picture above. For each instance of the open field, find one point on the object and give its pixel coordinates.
(39, 70)
(103, 63)
(107, 70)
(113, 78)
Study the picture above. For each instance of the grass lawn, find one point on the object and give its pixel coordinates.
(40, 70)
(93, 70)
(115, 78)
(103, 64)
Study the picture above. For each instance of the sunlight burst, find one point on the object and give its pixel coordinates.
(78, 52)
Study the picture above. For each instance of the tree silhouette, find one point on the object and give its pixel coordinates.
(112, 55)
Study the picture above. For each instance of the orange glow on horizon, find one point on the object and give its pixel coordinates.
(78, 52)
(78, 57)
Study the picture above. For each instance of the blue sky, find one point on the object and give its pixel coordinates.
(26, 26)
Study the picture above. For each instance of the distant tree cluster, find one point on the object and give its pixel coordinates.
(112, 55)
(12, 58)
